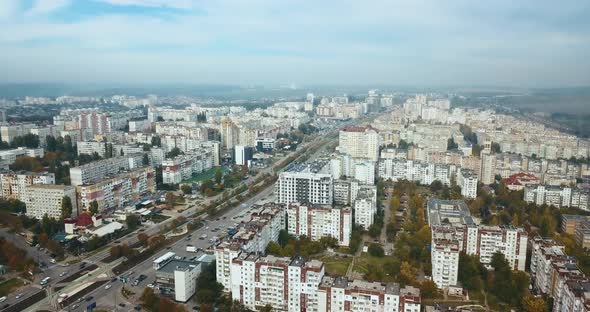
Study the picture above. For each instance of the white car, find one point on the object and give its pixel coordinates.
(150, 285)
(2, 299)
(18, 296)
(62, 274)
(107, 286)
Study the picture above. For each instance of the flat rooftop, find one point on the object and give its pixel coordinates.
(448, 211)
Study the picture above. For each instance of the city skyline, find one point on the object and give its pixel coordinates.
(528, 44)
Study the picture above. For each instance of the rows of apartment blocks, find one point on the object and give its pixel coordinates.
(295, 284)
(579, 227)
(555, 274)
(322, 189)
(43, 197)
(455, 231)
(559, 196)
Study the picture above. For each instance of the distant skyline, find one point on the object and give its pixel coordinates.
(264, 42)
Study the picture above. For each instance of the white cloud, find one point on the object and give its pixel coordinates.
(46, 6)
(178, 4)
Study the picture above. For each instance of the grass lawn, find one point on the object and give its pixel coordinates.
(209, 174)
(362, 264)
(336, 266)
(157, 218)
(9, 286)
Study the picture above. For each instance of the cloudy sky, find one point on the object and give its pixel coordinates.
(533, 43)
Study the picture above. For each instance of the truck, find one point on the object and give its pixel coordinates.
(231, 231)
(191, 249)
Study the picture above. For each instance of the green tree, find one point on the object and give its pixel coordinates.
(133, 221)
(174, 152)
(376, 250)
(284, 238)
(534, 304)
(186, 189)
(66, 207)
(93, 207)
(218, 175)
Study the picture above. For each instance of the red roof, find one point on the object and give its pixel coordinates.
(84, 219)
(516, 178)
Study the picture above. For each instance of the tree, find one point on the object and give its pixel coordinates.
(174, 152)
(218, 175)
(186, 189)
(428, 289)
(283, 238)
(170, 200)
(376, 250)
(66, 207)
(436, 186)
(407, 273)
(267, 308)
(93, 207)
(534, 304)
(143, 238)
(133, 221)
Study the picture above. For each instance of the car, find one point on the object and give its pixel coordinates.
(224, 217)
(122, 305)
(168, 247)
(53, 261)
(108, 286)
(18, 296)
(150, 285)
(88, 298)
(3, 299)
(75, 306)
(62, 274)
(137, 308)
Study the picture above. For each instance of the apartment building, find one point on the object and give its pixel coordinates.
(555, 274)
(344, 165)
(582, 234)
(359, 142)
(117, 191)
(317, 221)
(304, 187)
(91, 147)
(365, 207)
(467, 180)
(97, 170)
(339, 294)
(183, 167)
(251, 237)
(285, 284)
(558, 196)
(454, 231)
(8, 157)
(9, 132)
(229, 133)
(446, 247)
(46, 199)
(177, 279)
(14, 184)
(569, 223)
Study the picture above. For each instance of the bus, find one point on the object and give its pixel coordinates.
(45, 281)
(163, 260)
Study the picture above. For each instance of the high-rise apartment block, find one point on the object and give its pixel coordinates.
(47, 199)
(304, 187)
(317, 221)
(359, 142)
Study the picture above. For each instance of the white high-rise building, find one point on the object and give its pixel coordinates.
(467, 180)
(488, 164)
(365, 207)
(285, 284)
(304, 187)
(317, 221)
(365, 172)
(361, 142)
(46, 199)
(338, 294)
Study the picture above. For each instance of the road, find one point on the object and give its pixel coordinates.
(109, 299)
(112, 295)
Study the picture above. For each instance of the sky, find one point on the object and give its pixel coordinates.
(523, 43)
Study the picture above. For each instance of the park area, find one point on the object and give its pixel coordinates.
(207, 175)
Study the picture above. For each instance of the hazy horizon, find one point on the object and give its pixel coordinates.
(527, 44)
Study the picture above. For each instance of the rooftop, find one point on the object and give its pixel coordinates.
(453, 211)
